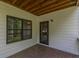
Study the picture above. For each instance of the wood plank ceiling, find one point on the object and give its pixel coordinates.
(77, 3)
(41, 7)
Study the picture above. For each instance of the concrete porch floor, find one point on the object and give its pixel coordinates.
(39, 51)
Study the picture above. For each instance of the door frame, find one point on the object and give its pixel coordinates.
(47, 33)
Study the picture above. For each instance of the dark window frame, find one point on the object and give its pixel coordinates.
(21, 29)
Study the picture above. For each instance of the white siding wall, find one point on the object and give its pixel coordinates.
(63, 31)
(9, 49)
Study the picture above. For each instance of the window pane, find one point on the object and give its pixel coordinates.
(14, 35)
(17, 24)
(17, 37)
(27, 24)
(17, 31)
(10, 22)
(27, 34)
(10, 32)
(26, 37)
(10, 38)
(14, 23)
(13, 31)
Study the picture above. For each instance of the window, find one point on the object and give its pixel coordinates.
(27, 29)
(18, 29)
